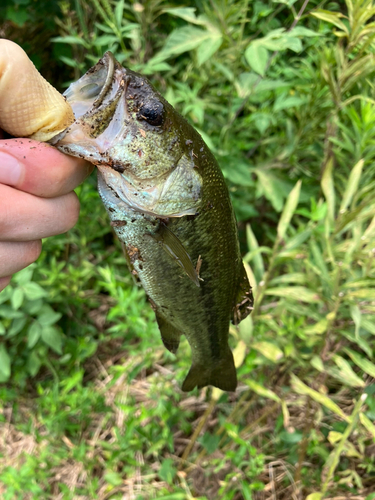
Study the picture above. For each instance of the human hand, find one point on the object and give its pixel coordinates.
(36, 180)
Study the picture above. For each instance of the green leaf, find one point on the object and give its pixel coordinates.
(173, 496)
(186, 13)
(4, 363)
(331, 17)
(51, 336)
(363, 363)
(16, 326)
(300, 388)
(301, 31)
(209, 47)
(280, 39)
(318, 328)
(24, 276)
(32, 307)
(245, 329)
(33, 363)
(298, 293)
(368, 324)
(113, 478)
(167, 471)
(363, 293)
(210, 442)
(262, 122)
(18, 15)
(346, 372)
(245, 83)
(119, 12)
(329, 189)
(271, 188)
(352, 185)
(34, 291)
(257, 57)
(239, 174)
(105, 40)
(367, 424)
(289, 209)
(70, 39)
(48, 316)
(182, 40)
(33, 334)
(17, 298)
(73, 381)
(291, 437)
(269, 351)
(283, 102)
(359, 341)
(262, 391)
(315, 496)
(257, 259)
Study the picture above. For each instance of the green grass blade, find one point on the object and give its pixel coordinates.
(288, 211)
(322, 399)
(352, 185)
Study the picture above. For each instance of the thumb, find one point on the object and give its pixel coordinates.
(29, 105)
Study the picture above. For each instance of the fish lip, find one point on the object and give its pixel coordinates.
(109, 61)
(113, 80)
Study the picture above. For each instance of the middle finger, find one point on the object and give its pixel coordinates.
(25, 217)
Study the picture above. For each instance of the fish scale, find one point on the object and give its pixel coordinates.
(169, 205)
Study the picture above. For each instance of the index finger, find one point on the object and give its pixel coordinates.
(39, 168)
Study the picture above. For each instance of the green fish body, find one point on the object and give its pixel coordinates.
(169, 205)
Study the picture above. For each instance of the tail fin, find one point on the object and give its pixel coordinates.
(222, 375)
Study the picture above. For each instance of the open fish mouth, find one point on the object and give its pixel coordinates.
(99, 106)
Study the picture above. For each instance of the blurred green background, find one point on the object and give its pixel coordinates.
(282, 92)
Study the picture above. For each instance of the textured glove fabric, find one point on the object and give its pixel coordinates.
(29, 105)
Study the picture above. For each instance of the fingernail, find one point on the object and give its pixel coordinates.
(10, 169)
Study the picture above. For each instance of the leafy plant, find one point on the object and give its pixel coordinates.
(282, 93)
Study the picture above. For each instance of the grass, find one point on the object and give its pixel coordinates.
(91, 401)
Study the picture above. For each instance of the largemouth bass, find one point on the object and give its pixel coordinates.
(169, 205)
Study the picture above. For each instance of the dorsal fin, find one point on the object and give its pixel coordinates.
(243, 304)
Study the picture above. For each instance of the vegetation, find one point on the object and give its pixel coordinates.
(283, 94)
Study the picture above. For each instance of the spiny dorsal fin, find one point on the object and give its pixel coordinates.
(243, 304)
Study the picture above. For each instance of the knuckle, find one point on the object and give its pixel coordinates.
(71, 212)
(32, 252)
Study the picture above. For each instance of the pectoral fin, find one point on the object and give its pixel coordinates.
(176, 250)
(169, 334)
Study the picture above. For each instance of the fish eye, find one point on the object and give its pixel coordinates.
(152, 112)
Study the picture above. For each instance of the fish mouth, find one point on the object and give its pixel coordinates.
(99, 104)
(96, 86)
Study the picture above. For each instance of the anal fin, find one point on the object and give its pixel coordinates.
(169, 334)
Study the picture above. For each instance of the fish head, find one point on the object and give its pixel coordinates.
(135, 137)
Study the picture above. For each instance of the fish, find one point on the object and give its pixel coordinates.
(169, 205)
